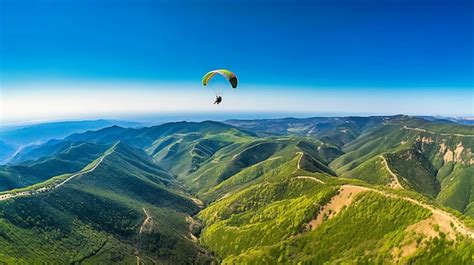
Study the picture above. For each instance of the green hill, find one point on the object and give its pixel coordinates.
(98, 216)
(424, 157)
(184, 153)
(250, 159)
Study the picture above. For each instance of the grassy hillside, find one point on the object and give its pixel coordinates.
(240, 164)
(423, 157)
(184, 153)
(415, 170)
(372, 171)
(274, 188)
(96, 218)
(282, 206)
(457, 190)
(433, 148)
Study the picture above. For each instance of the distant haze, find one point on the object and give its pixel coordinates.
(115, 100)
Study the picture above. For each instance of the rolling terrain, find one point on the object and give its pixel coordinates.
(393, 189)
(68, 159)
(20, 139)
(95, 217)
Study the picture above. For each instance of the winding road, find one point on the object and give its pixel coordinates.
(311, 178)
(46, 188)
(437, 213)
(299, 161)
(460, 227)
(147, 220)
(431, 132)
(395, 183)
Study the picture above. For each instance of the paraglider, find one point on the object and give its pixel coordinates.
(230, 76)
(218, 100)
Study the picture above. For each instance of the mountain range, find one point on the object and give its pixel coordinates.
(380, 189)
(15, 138)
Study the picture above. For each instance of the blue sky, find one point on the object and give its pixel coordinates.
(414, 57)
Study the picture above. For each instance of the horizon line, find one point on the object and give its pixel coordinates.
(200, 117)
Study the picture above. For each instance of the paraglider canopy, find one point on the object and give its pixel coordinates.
(231, 77)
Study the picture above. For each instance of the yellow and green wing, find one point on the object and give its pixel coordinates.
(223, 72)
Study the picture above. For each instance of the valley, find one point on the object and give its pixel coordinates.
(383, 189)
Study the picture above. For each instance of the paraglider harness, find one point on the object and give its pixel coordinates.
(218, 99)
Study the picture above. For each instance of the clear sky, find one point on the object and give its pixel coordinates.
(92, 58)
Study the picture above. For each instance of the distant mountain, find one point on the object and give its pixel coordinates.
(40, 162)
(7, 150)
(23, 138)
(68, 158)
(468, 120)
(144, 137)
(55, 130)
(336, 130)
(463, 120)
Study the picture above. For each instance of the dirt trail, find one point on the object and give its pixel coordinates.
(147, 220)
(236, 155)
(447, 223)
(395, 184)
(426, 228)
(444, 134)
(191, 224)
(265, 161)
(299, 161)
(198, 202)
(80, 173)
(49, 188)
(312, 178)
(344, 198)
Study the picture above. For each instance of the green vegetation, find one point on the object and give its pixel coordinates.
(437, 162)
(95, 218)
(273, 192)
(354, 235)
(372, 171)
(274, 211)
(415, 170)
(458, 190)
